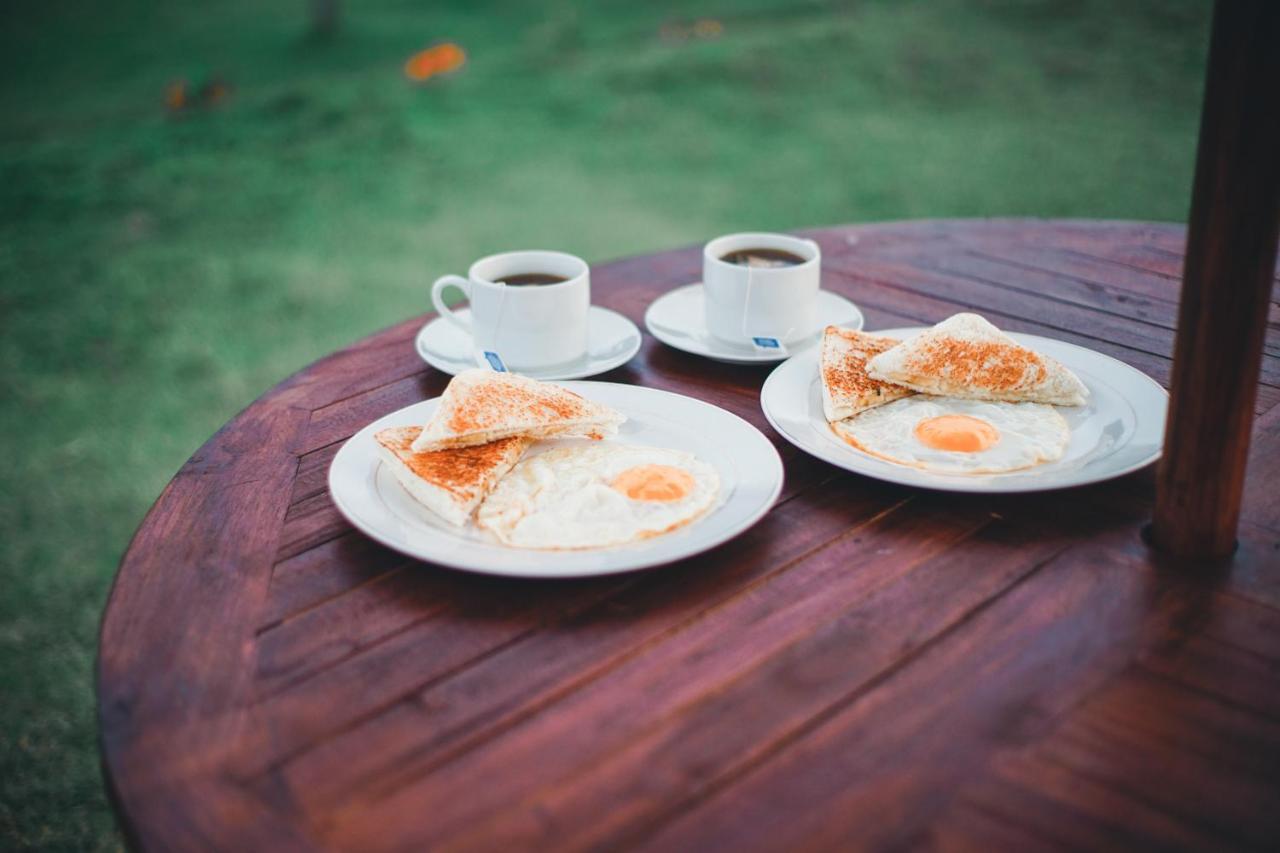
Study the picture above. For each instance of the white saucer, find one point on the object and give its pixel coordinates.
(678, 319)
(1120, 429)
(611, 342)
(750, 470)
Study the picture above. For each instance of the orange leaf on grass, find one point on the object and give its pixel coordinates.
(434, 60)
(175, 95)
(708, 28)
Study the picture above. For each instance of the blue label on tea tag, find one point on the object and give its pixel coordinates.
(772, 346)
(495, 362)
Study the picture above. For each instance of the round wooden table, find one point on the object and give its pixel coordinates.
(870, 665)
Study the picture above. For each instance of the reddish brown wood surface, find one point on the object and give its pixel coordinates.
(868, 666)
(1231, 254)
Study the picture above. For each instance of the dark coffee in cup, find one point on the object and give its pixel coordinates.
(762, 258)
(528, 279)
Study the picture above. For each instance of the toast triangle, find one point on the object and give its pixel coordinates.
(480, 406)
(450, 483)
(846, 387)
(965, 356)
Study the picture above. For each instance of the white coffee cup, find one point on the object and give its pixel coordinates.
(527, 326)
(746, 303)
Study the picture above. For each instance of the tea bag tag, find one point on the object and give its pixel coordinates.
(489, 358)
(771, 346)
(493, 360)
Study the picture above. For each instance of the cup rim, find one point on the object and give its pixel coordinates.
(713, 257)
(583, 268)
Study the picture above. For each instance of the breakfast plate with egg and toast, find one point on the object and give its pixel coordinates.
(965, 407)
(503, 474)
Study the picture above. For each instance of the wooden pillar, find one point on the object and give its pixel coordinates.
(1226, 286)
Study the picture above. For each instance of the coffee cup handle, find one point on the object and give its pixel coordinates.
(437, 299)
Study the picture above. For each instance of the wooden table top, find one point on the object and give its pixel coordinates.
(869, 665)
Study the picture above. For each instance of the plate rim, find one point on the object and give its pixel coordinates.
(952, 484)
(590, 370)
(760, 358)
(607, 567)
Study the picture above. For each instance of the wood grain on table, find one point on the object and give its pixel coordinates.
(868, 666)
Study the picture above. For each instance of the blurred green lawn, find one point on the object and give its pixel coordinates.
(157, 274)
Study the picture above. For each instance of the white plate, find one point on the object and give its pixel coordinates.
(612, 340)
(750, 479)
(1119, 430)
(678, 319)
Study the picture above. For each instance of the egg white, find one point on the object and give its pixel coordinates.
(1030, 434)
(561, 499)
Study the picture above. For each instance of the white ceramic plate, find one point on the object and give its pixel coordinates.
(1119, 430)
(678, 319)
(612, 340)
(750, 479)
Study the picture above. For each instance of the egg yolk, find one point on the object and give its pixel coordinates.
(653, 483)
(957, 433)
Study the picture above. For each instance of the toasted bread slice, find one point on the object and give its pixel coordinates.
(846, 387)
(450, 483)
(966, 356)
(480, 406)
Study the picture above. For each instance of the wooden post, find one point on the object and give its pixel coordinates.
(1226, 285)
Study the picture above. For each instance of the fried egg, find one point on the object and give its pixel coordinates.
(950, 436)
(597, 495)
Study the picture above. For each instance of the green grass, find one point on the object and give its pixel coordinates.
(157, 274)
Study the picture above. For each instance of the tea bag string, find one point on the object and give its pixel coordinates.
(770, 330)
(478, 351)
